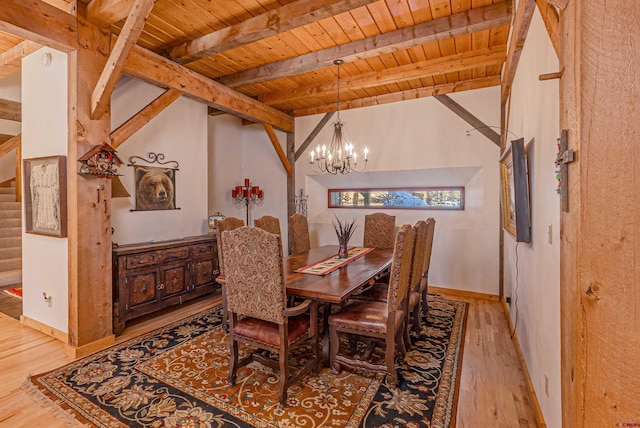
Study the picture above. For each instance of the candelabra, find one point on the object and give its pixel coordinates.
(247, 195)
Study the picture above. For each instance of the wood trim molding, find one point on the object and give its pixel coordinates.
(458, 24)
(463, 293)
(144, 116)
(278, 148)
(533, 397)
(10, 110)
(90, 348)
(10, 144)
(43, 328)
(11, 59)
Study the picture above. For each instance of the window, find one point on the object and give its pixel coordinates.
(415, 198)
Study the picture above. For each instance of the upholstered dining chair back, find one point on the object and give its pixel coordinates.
(431, 225)
(400, 268)
(299, 241)
(228, 223)
(379, 230)
(421, 230)
(254, 274)
(269, 223)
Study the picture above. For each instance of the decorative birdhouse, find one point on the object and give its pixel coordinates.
(100, 161)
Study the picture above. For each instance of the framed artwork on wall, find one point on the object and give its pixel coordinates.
(516, 211)
(45, 200)
(154, 185)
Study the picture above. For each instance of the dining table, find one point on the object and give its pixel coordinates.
(335, 287)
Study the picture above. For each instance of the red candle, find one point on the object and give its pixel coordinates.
(248, 192)
(246, 182)
(238, 189)
(260, 194)
(234, 193)
(256, 189)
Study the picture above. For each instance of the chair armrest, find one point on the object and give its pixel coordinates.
(298, 309)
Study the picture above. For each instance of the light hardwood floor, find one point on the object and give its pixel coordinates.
(492, 390)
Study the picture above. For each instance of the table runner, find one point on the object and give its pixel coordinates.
(332, 263)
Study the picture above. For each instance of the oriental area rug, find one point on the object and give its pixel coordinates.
(177, 377)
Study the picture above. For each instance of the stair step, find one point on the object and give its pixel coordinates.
(7, 197)
(10, 222)
(11, 241)
(10, 213)
(10, 253)
(10, 205)
(7, 232)
(11, 277)
(10, 264)
(7, 190)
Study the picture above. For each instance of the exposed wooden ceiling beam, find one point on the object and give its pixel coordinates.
(312, 136)
(467, 22)
(470, 118)
(276, 21)
(11, 110)
(11, 59)
(560, 4)
(39, 22)
(144, 116)
(438, 66)
(104, 13)
(278, 148)
(10, 144)
(148, 66)
(101, 96)
(551, 22)
(524, 14)
(403, 95)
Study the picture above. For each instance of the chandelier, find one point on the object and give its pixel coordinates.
(340, 157)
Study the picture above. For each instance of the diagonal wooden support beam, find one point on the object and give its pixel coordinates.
(551, 22)
(5, 137)
(11, 144)
(11, 59)
(39, 22)
(104, 13)
(101, 96)
(313, 134)
(285, 18)
(524, 14)
(144, 116)
(278, 148)
(458, 24)
(468, 117)
(11, 110)
(153, 68)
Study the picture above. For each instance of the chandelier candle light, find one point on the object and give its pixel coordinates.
(246, 195)
(340, 157)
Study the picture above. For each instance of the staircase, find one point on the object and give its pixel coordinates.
(10, 237)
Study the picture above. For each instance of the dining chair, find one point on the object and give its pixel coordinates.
(378, 320)
(258, 312)
(298, 234)
(228, 223)
(269, 223)
(379, 230)
(424, 283)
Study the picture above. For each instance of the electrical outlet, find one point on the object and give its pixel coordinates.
(546, 385)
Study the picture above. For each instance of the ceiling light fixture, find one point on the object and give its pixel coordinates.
(340, 157)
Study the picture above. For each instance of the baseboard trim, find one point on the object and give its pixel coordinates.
(90, 348)
(537, 411)
(46, 329)
(463, 293)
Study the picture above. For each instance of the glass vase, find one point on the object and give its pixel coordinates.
(343, 252)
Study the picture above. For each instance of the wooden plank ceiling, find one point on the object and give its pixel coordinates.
(281, 52)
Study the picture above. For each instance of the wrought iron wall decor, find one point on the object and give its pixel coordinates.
(301, 203)
(155, 186)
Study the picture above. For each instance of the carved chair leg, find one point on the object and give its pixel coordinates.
(389, 360)
(225, 313)
(425, 304)
(284, 374)
(407, 336)
(233, 360)
(399, 339)
(417, 322)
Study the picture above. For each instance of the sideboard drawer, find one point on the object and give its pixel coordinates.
(151, 258)
(174, 254)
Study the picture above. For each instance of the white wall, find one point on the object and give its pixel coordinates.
(180, 133)
(9, 90)
(535, 116)
(44, 120)
(421, 143)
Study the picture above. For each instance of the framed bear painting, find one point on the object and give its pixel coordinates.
(154, 185)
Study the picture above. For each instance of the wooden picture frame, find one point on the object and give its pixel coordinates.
(516, 215)
(45, 195)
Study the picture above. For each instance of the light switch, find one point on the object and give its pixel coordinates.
(550, 234)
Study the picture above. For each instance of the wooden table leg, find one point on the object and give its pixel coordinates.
(225, 314)
(325, 334)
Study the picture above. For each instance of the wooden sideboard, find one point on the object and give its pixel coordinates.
(153, 275)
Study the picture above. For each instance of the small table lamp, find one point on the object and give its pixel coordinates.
(212, 219)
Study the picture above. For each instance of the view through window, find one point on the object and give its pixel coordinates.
(422, 198)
